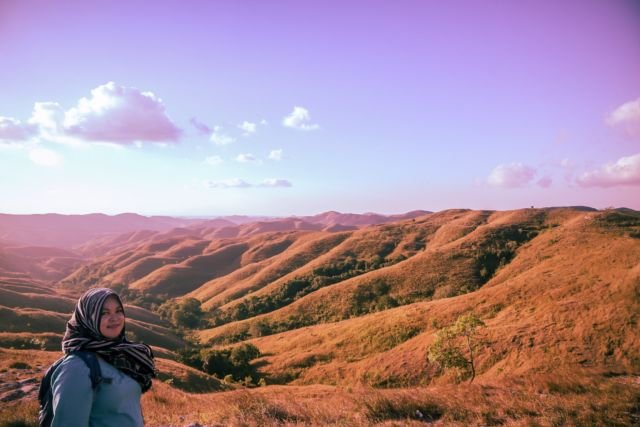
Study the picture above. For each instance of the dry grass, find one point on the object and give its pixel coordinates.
(445, 268)
(540, 401)
(533, 402)
(11, 298)
(570, 299)
(561, 343)
(179, 279)
(306, 248)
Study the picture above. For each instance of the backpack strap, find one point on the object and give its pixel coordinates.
(45, 394)
(95, 373)
(45, 383)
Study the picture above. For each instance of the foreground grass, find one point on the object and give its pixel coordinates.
(541, 402)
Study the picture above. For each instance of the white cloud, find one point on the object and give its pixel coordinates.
(625, 171)
(220, 138)
(202, 128)
(12, 130)
(228, 183)
(248, 128)
(112, 114)
(512, 175)
(49, 117)
(299, 119)
(240, 183)
(626, 117)
(545, 182)
(246, 158)
(275, 154)
(264, 122)
(273, 182)
(213, 160)
(45, 157)
(121, 115)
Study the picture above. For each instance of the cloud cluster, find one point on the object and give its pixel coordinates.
(545, 182)
(202, 128)
(627, 118)
(246, 158)
(220, 138)
(240, 183)
(511, 175)
(625, 171)
(299, 119)
(275, 155)
(120, 115)
(248, 128)
(228, 183)
(272, 182)
(12, 130)
(112, 114)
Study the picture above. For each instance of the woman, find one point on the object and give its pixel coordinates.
(98, 325)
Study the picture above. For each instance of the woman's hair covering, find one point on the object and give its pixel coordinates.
(83, 333)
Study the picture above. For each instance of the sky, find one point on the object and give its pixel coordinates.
(206, 108)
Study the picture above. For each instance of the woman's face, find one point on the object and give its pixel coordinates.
(111, 318)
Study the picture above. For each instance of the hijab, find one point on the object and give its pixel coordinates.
(83, 334)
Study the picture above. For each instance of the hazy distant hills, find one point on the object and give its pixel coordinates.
(50, 247)
(66, 231)
(72, 231)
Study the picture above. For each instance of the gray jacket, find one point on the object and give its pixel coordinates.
(76, 404)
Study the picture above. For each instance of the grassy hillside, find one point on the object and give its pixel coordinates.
(541, 400)
(568, 297)
(342, 322)
(31, 312)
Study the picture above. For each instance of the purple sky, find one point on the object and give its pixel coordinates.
(289, 107)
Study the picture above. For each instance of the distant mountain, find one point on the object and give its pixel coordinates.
(242, 219)
(333, 218)
(67, 231)
(93, 233)
(38, 262)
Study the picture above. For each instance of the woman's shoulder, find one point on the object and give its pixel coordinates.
(72, 363)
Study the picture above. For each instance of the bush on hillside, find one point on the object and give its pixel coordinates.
(137, 297)
(186, 313)
(371, 297)
(456, 345)
(235, 361)
(498, 250)
(298, 287)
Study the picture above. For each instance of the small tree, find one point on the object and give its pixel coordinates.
(456, 345)
(188, 313)
(217, 362)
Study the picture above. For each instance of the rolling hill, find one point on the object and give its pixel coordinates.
(341, 302)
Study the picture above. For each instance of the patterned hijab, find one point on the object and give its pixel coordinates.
(83, 333)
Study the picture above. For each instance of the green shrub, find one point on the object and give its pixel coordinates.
(235, 361)
(186, 313)
(299, 287)
(19, 365)
(456, 345)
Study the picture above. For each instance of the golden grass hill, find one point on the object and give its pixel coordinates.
(462, 317)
